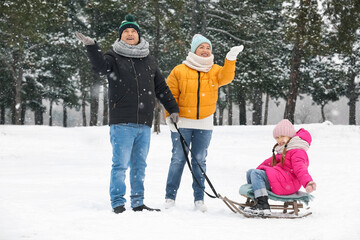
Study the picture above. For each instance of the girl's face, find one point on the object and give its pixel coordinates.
(203, 50)
(282, 140)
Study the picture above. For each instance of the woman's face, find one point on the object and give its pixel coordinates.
(282, 140)
(130, 36)
(203, 50)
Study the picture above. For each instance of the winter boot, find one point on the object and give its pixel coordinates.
(262, 207)
(119, 209)
(144, 207)
(200, 205)
(169, 203)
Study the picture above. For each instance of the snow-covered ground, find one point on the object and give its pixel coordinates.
(54, 185)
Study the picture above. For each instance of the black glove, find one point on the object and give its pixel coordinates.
(174, 117)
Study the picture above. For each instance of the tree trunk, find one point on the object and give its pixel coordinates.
(230, 115)
(296, 57)
(352, 101)
(94, 100)
(83, 108)
(242, 109)
(351, 92)
(2, 114)
(157, 116)
(266, 114)
(221, 116)
(64, 115)
(257, 108)
(294, 83)
(23, 111)
(323, 113)
(38, 114)
(157, 29)
(84, 92)
(352, 112)
(106, 105)
(229, 104)
(157, 109)
(215, 118)
(83, 98)
(50, 113)
(194, 17)
(17, 76)
(221, 105)
(204, 17)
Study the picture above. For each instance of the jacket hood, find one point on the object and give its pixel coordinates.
(304, 135)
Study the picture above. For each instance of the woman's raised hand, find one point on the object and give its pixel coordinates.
(234, 51)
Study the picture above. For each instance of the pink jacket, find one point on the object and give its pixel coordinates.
(288, 179)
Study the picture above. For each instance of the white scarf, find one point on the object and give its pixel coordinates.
(202, 64)
(140, 50)
(295, 143)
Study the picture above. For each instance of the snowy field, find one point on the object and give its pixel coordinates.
(54, 185)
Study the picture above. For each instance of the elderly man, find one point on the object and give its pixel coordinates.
(134, 81)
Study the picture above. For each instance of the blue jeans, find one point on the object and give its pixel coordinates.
(199, 141)
(259, 181)
(130, 143)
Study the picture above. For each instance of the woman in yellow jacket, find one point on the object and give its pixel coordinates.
(195, 84)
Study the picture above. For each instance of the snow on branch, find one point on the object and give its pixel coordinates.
(229, 34)
(218, 17)
(223, 12)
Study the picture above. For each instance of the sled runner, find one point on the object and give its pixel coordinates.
(290, 208)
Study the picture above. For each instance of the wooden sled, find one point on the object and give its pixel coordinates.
(289, 209)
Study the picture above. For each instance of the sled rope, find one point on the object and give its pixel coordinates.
(183, 144)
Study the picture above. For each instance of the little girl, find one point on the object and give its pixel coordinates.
(285, 172)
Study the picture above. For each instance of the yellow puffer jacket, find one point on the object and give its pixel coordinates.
(197, 92)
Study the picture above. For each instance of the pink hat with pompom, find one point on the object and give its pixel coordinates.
(284, 128)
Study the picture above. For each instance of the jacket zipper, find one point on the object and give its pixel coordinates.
(198, 97)
(118, 101)
(138, 94)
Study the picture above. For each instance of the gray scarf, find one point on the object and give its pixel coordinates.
(140, 50)
(295, 143)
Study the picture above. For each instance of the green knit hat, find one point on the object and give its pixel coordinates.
(129, 22)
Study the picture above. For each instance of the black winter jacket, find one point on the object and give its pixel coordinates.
(133, 85)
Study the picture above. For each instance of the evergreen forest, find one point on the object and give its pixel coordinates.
(292, 48)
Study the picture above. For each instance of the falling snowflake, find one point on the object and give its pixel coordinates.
(335, 112)
(113, 76)
(357, 79)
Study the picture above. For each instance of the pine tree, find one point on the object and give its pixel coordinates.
(23, 27)
(324, 81)
(260, 67)
(5, 90)
(345, 20)
(303, 33)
